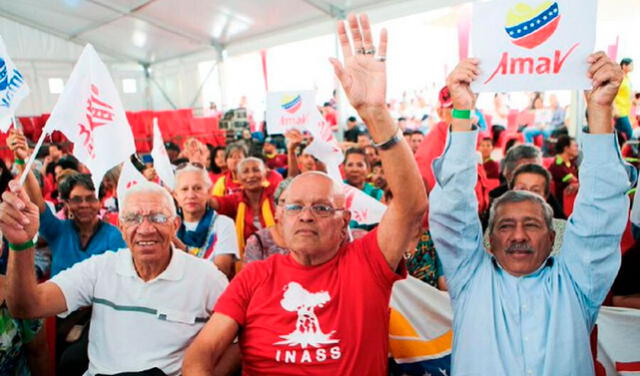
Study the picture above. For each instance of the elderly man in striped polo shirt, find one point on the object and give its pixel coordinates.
(149, 300)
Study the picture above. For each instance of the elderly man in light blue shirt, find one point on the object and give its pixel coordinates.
(518, 310)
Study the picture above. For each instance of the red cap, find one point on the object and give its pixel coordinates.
(445, 98)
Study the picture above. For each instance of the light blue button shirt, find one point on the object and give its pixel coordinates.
(537, 324)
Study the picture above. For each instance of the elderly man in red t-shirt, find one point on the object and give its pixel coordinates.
(324, 309)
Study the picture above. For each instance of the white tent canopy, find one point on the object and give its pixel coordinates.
(161, 45)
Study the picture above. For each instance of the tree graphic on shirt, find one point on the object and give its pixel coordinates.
(308, 331)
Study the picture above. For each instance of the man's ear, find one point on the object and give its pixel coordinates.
(177, 221)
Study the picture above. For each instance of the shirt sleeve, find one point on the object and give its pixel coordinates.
(50, 225)
(376, 262)
(453, 211)
(235, 299)
(227, 242)
(78, 282)
(591, 245)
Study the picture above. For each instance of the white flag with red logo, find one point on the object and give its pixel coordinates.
(365, 209)
(13, 88)
(129, 176)
(161, 161)
(90, 115)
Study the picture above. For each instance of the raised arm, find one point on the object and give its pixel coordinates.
(364, 80)
(453, 212)
(591, 246)
(294, 139)
(19, 221)
(17, 143)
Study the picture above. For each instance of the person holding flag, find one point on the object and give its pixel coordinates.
(81, 236)
(324, 308)
(518, 309)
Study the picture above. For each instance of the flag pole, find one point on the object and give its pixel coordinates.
(32, 158)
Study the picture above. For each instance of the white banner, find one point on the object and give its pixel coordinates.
(161, 161)
(13, 88)
(90, 115)
(290, 110)
(619, 341)
(129, 176)
(533, 45)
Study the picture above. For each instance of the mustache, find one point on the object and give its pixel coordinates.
(520, 247)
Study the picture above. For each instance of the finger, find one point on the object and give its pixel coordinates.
(19, 191)
(7, 221)
(366, 32)
(10, 212)
(596, 66)
(356, 35)
(12, 199)
(382, 46)
(344, 40)
(339, 71)
(596, 56)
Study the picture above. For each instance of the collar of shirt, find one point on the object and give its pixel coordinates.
(173, 272)
(548, 262)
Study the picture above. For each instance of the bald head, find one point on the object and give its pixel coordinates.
(329, 187)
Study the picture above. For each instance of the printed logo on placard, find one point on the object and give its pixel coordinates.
(291, 103)
(529, 26)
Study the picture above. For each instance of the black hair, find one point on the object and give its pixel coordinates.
(532, 169)
(66, 186)
(626, 61)
(359, 151)
(563, 142)
(68, 162)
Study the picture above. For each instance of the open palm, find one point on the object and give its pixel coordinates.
(363, 76)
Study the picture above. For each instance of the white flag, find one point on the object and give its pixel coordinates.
(129, 176)
(619, 341)
(161, 161)
(90, 115)
(13, 88)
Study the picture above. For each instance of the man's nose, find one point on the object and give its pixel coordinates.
(519, 233)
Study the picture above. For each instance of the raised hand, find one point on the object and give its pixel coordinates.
(607, 77)
(459, 84)
(294, 138)
(19, 217)
(363, 75)
(17, 143)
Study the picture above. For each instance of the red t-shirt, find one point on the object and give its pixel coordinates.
(331, 319)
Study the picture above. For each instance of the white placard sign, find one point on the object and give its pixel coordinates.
(290, 110)
(533, 45)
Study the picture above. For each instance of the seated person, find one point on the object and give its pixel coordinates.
(203, 232)
(324, 309)
(149, 301)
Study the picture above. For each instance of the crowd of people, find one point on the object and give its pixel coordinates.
(252, 262)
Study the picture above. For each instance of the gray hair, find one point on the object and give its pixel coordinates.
(149, 188)
(251, 159)
(233, 147)
(518, 153)
(191, 168)
(521, 196)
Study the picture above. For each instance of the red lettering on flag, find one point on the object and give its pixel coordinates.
(98, 113)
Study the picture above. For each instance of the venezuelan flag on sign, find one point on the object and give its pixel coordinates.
(420, 333)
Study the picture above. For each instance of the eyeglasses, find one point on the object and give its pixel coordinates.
(91, 199)
(131, 219)
(318, 210)
(194, 164)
